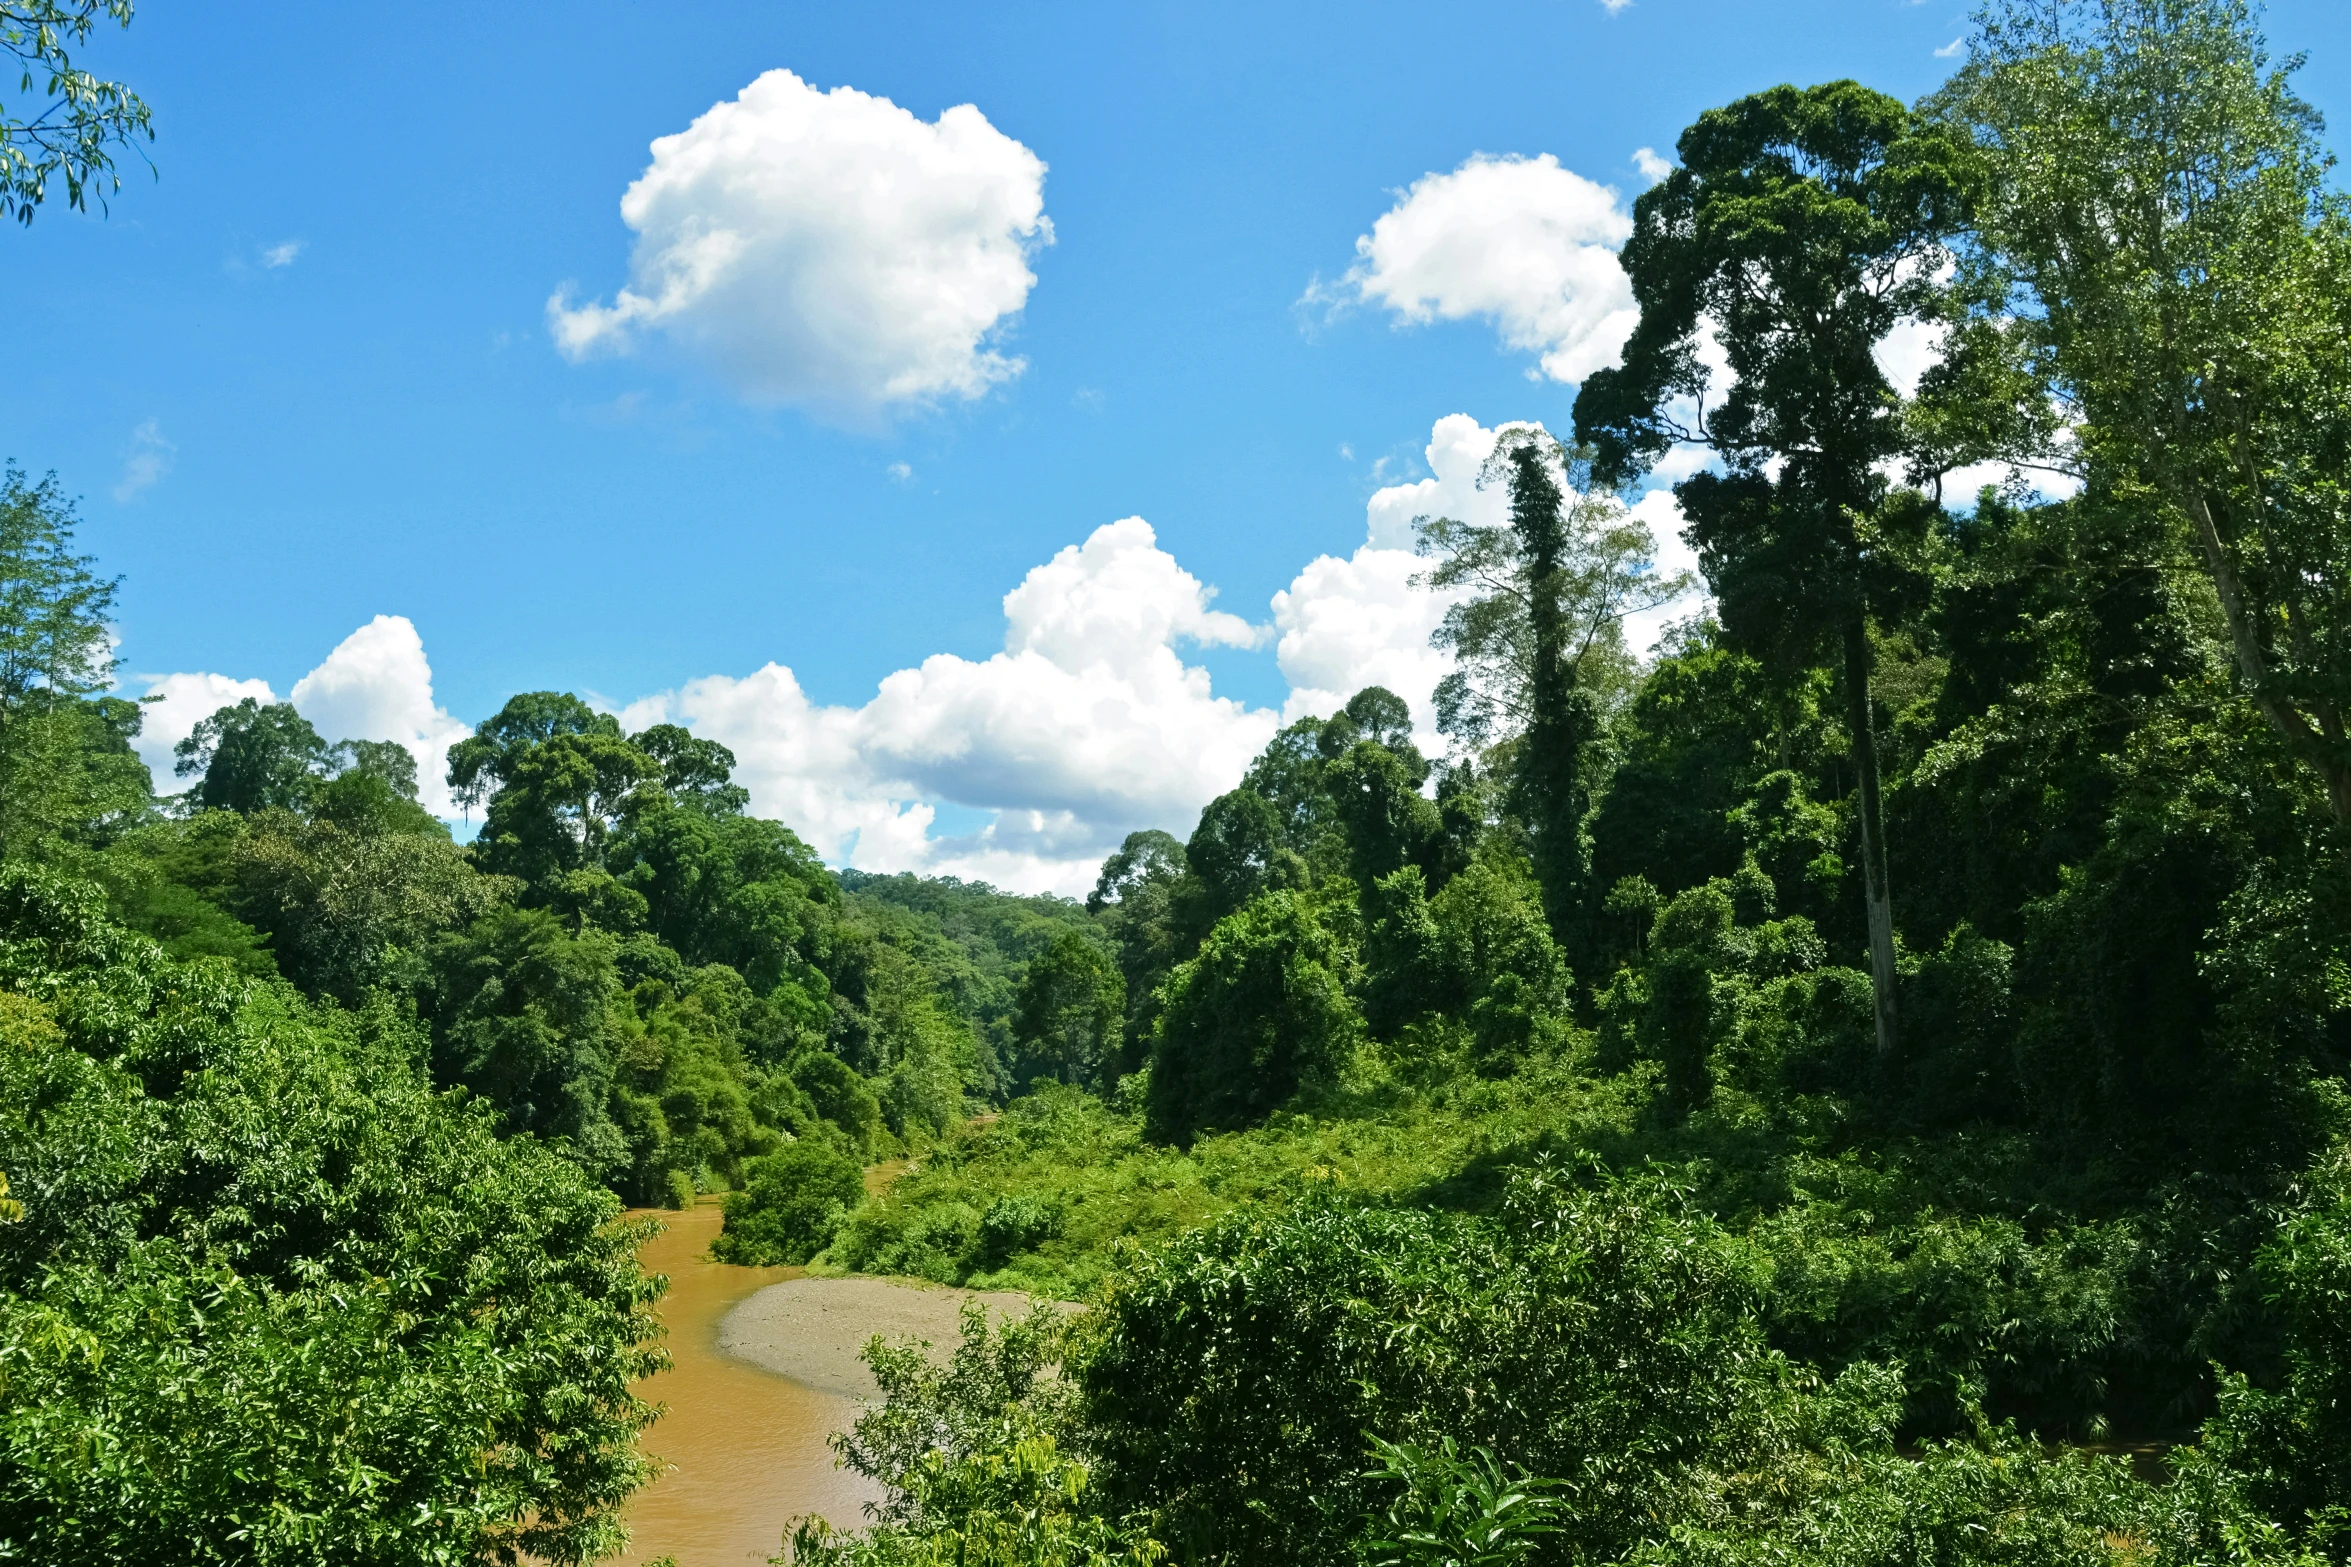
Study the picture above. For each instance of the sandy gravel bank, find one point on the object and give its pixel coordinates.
(812, 1329)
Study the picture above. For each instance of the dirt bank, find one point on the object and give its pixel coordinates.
(811, 1330)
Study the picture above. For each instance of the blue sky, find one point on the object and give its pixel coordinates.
(381, 422)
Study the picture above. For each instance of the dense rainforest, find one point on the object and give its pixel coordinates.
(1863, 1083)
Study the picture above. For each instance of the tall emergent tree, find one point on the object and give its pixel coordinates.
(76, 120)
(1542, 631)
(1801, 228)
(253, 756)
(53, 608)
(556, 774)
(2160, 251)
(65, 757)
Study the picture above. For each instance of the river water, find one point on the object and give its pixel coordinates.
(747, 1448)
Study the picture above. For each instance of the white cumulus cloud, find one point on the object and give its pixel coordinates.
(827, 249)
(375, 685)
(1086, 726)
(1520, 242)
(1457, 452)
(1347, 624)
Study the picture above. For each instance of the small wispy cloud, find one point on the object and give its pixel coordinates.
(902, 472)
(622, 408)
(145, 460)
(282, 255)
(1951, 50)
(1614, 6)
(1653, 168)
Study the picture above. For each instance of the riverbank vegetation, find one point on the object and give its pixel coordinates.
(1836, 1090)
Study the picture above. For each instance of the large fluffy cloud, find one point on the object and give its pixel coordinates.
(1087, 725)
(375, 685)
(1346, 624)
(1522, 242)
(1457, 452)
(827, 249)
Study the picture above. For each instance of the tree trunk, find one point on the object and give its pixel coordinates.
(1552, 751)
(2300, 735)
(1876, 890)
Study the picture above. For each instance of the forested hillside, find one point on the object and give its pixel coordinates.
(1862, 1082)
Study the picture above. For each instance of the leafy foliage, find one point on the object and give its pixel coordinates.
(270, 1295)
(74, 135)
(1260, 1013)
(1458, 1509)
(791, 1204)
(1072, 1003)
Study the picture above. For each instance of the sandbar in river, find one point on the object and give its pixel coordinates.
(764, 1366)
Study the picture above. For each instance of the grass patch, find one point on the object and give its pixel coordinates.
(1044, 1197)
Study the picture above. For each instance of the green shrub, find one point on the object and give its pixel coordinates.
(274, 1299)
(1014, 1224)
(1603, 1337)
(1976, 1309)
(1067, 1021)
(791, 1205)
(1958, 1028)
(1458, 1509)
(1500, 958)
(1260, 1012)
(972, 1472)
(2292, 1443)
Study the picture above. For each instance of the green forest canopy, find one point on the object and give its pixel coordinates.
(1815, 1096)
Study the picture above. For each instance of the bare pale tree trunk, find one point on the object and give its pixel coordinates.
(1876, 892)
(2301, 737)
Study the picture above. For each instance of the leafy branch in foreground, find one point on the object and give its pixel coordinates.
(1458, 1509)
(73, 136)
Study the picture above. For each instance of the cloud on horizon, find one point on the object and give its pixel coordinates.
(375, 685)
(1088, 724)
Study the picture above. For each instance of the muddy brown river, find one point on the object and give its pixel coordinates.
(747, 1447)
